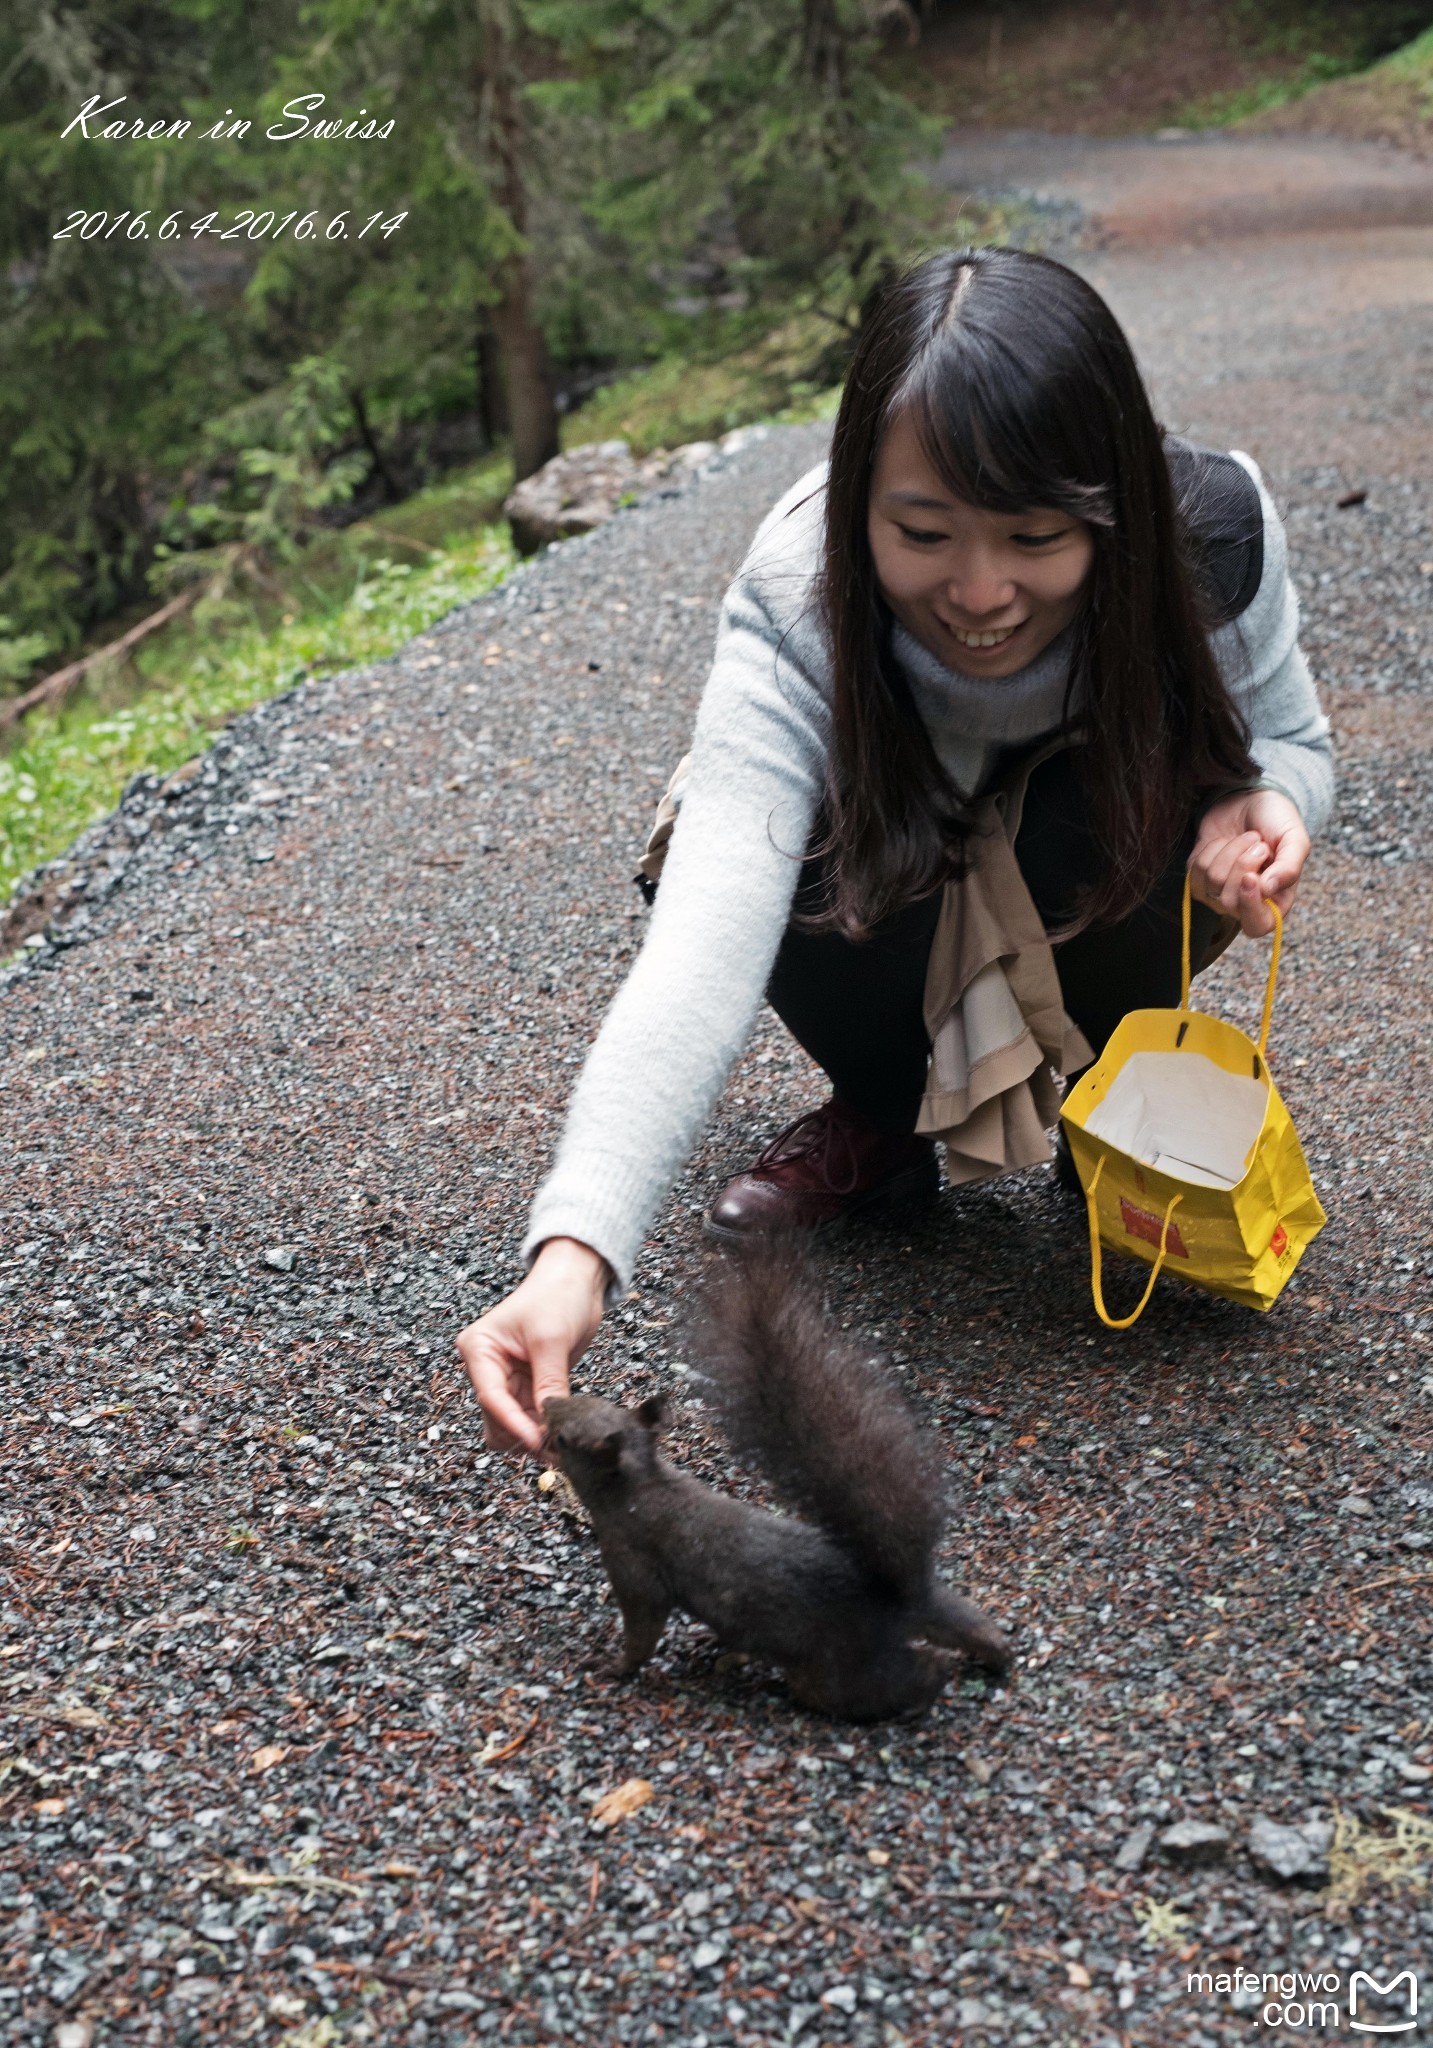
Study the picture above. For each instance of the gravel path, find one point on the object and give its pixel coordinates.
(1193, 186)
(298, 1743)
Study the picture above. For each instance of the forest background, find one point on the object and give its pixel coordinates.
(261, 399)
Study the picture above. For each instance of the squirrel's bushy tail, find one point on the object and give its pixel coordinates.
(828, 1428)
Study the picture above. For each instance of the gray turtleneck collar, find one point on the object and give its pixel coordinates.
(972, 720)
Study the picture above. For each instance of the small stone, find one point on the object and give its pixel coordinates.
(841, 1996)
(1411, 1773)
(74, 2034)
(1356, 1504)
(1279, 1851)
(707, 1954)
(979, 1767)
(1136, 1847)
(1191, 1843)
(280, 1257)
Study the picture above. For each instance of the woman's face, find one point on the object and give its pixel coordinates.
(983, 591)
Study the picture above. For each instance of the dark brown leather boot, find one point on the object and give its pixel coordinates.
(828, 1165)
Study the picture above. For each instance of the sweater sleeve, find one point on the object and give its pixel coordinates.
(1264, 667)
(686, 1009)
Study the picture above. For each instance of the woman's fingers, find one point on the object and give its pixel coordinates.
(502, 1381)
(1250, 852)
(1251, 908)
(1281, 877)
(1219, 869)
(521, 1352)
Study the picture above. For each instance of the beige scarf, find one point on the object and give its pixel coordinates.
(998, 1029)
(999, 1033)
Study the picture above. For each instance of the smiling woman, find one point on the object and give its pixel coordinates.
(985, 590)
(987, 684)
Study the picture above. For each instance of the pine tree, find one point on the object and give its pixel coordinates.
(761, 123)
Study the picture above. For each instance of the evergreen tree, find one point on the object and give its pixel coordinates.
(764, 124)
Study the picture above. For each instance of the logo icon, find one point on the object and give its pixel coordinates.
(1144, 1223)
(1362, 1981)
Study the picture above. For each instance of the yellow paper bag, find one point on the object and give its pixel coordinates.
(1188, 1157)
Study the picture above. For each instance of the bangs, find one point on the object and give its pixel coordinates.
(998, 434)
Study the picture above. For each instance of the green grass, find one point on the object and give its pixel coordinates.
(1414, 61)
(353, 597)
(691, 399)
(70, 766)
(1223, 109)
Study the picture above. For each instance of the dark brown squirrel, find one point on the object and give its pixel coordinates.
(849, 1609)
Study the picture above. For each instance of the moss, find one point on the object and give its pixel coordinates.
(70, 766)
(1392, 101)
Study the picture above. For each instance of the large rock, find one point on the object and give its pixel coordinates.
(1291, 1854)
(579, 490)
(1191, 1843)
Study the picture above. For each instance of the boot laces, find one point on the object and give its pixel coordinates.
(820, 1136)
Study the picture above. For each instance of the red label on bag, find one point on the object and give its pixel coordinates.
(1144, 1223)
(1279, 1242)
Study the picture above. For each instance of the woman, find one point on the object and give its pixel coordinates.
(1008, 666)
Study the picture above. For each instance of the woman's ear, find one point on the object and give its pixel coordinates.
(652, 1413)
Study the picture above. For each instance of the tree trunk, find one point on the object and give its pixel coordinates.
(492, 399)
(527, 384)
(823, 47)
(392, 488)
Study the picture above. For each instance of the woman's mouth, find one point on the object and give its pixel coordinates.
(991, 637)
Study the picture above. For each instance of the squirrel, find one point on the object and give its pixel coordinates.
(845, 1604)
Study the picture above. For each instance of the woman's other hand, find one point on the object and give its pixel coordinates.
(1251, 848)
(522, 1351)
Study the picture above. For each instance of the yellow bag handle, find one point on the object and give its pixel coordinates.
(1096, 1287)
(1273, 980)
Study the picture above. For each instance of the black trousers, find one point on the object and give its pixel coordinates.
(856, 1008)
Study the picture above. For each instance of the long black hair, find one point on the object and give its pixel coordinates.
(1024, 393)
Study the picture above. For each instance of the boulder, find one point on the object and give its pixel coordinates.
(579, 490)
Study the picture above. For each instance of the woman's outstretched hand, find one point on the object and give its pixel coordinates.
(1251, 848)
(523, 1350)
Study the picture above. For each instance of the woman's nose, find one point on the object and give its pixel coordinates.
(979, 589)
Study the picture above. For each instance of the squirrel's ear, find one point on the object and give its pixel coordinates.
(652, 1413)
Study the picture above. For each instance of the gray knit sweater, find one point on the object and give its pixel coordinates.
(758, 764)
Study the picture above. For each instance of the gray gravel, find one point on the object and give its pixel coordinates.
(298, 1733)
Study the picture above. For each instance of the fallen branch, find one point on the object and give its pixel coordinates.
(489, 1755)
(301, 1879)
(55, 688)
(1394, 1579)
(383, 1973)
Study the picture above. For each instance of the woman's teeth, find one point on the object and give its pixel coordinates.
(984, 639)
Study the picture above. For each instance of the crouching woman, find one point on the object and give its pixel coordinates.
(989, 683)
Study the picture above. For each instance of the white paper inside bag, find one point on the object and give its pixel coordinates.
(1179, 1112)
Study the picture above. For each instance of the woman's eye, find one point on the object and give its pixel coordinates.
(1037, 540)
(915, 533)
